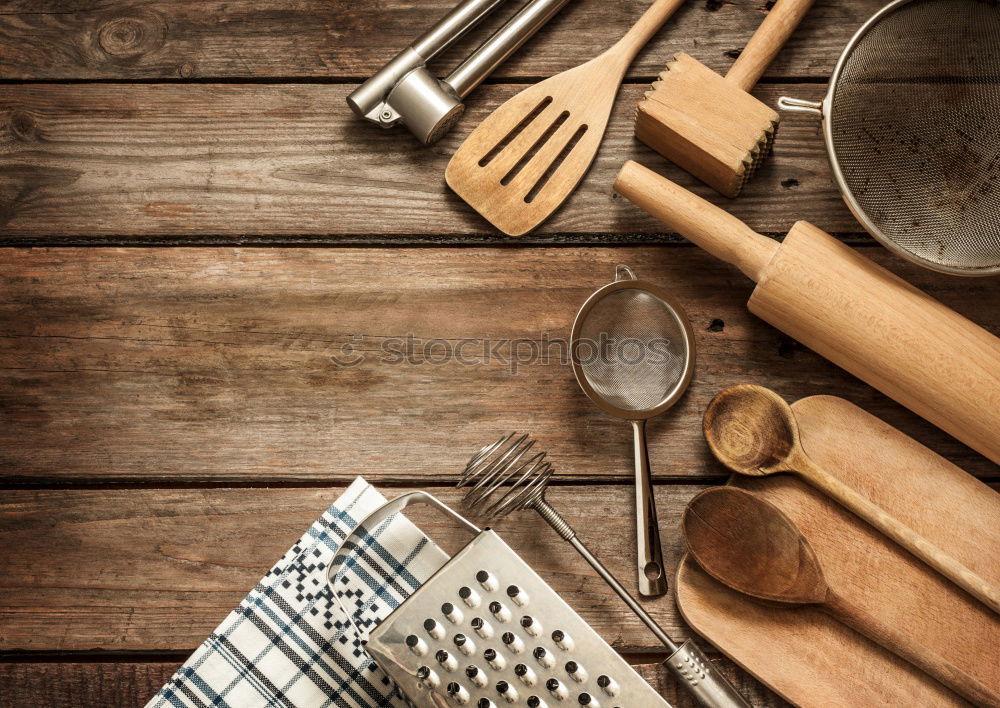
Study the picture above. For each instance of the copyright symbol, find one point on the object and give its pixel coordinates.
(348, 355)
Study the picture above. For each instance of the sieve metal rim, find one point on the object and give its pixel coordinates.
(823, 109)
(687, 331)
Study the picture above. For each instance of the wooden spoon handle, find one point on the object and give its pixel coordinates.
(905, 647)
(899, 532)
(644, 29)
(715, 230)
(766, 42)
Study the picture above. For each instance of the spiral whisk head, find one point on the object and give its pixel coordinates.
(506, 476)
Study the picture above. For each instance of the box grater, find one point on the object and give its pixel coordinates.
(486, 631)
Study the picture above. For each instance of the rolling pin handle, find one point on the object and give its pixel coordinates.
(721, 234)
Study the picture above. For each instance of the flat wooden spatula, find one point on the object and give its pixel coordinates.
(522, 162)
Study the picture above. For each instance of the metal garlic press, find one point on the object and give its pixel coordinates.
(486, 631)
(404, 91)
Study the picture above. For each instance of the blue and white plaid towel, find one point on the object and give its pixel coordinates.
(288, 643)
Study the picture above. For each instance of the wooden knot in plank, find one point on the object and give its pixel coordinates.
(133, 35)
(21, 126)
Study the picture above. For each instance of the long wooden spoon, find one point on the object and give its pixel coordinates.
(752, 431)
(526, 157)
(747, 543)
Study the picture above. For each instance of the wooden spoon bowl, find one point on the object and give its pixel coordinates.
(750, 545)
(751, 430)
(747, 543)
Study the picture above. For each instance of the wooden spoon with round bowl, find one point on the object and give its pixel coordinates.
(747, 543)
(752, 431)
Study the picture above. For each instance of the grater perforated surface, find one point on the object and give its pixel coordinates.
(487, 631)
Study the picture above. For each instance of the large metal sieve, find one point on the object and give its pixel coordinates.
(911, 121)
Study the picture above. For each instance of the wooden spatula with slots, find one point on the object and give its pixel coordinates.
(522, 162)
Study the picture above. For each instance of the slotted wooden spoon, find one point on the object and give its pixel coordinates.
(522, 162)
(749, 544)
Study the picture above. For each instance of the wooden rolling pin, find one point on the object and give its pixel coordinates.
(852, 311)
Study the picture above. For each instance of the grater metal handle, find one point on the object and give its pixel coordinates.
(702, 679)
(372, 521)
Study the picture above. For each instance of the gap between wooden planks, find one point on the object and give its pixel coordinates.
(158, 569)
(220, 163)
(163, 39)
(217, 364)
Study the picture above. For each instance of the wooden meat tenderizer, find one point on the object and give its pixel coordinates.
(710, 125)
(853, 312)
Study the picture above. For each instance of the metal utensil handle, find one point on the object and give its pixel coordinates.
(452, 26)
(504, 42)
(702, 679)
(366, 100)
(652, 578)
(708, 686)
(372, 521)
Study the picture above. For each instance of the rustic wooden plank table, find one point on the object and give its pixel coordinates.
(161, 406)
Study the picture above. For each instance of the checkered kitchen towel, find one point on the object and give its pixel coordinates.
(288, 643)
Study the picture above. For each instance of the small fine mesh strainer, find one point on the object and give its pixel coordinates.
(912, 126)
(633, 355)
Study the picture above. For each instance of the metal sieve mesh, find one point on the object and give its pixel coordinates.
(631, 349)
(915, 131)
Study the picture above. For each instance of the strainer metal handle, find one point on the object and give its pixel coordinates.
(652, 573)
(800, 105)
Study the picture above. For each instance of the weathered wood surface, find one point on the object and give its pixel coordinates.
(127, 684)
(805, 653)
(157, 367)
(182, 39)
(218, 364)
(211, 163)
(143, 569)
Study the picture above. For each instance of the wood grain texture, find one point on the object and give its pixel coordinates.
(812, 659)
(226, 163)
(767, 41)
(886, 332)
(155, 39)
(849, 309)
(71, 685)
(211, 363)
(159, 569)
(158, 367)
(753, 431)
(747, 543)
(702, 122)
(131, 684)
(551, 132)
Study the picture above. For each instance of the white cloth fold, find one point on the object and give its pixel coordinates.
(288, 643)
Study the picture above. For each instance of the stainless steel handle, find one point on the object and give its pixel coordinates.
(449, 28)
(695, 672)
(370, 523)
(800, 105)
(367, 100)
(652, 576)
(495, 50)
(699, 676)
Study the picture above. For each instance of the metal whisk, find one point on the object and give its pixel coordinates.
(509, 475)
